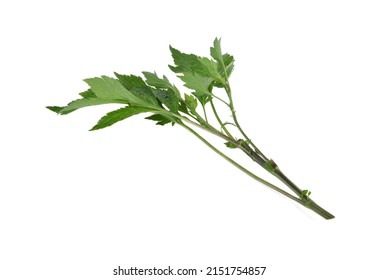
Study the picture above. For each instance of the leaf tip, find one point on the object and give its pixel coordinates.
(96, 127)
(175, 52)
(217, 40)
(147, 74)
(55, 109)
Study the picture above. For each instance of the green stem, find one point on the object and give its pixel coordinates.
(204, 112)
(220, 99)
(307, 202)
(229, 93)
(219, 120)
(310, 204)
(246, 171)
(207, 128)
(274, 170)
(280, 175)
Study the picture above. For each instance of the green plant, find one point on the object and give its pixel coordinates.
(165, 104)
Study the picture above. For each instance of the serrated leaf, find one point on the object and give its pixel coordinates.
(191, 101)
(225, 61)
(130, 82)
(138, 88)
(183, 107)
(194, 64)
(88, 94)
(55, 109)
(146, 94)
(109, 88)
(184, 62)
(216, 50)
(199, 84)
(106, 90)
(118, 115)
(229, 64)
(89, 99)
(160, 119)
(207, 68)
(153, 79)
(85, 102)
(168, 98)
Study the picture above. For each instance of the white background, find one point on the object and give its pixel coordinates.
(75, 204)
